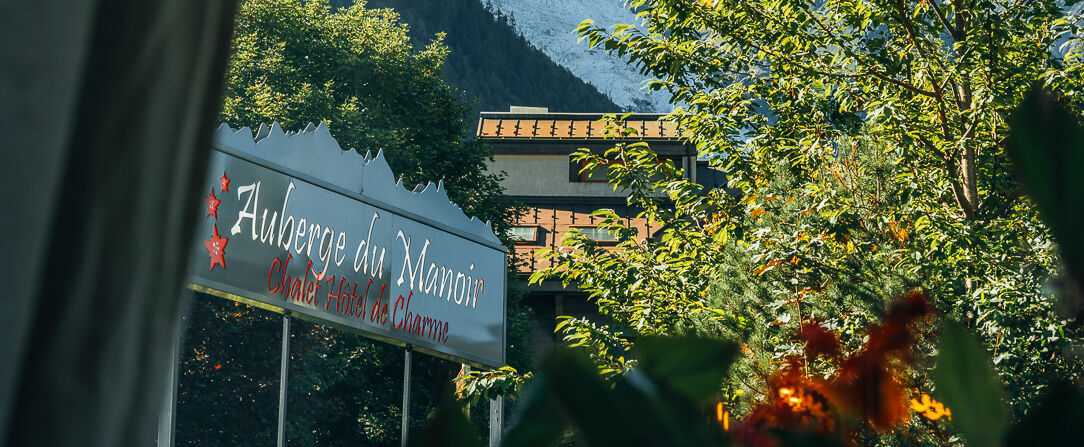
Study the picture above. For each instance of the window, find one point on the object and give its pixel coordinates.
(522, 234)
(600, 173)
(597, 175)
(598, 234)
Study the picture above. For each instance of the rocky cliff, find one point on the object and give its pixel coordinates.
(548, 25)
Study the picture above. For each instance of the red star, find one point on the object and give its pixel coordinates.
(225, 182)
(216, 248)
(212, 204)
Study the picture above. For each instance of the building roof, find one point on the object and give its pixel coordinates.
(570, 126)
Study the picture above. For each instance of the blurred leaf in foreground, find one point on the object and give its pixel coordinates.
(693, 366)
(1054, 421)
(448, 427)
(966, 383)
(1047, 146)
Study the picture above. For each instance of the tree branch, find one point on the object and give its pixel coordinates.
(905, 85)
(958, 192)
(943, 19)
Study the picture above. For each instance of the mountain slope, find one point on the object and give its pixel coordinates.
(488, 60)
(548, 25)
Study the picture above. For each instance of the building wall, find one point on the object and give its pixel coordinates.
(545, 175)
(533, 149)
(553, 220)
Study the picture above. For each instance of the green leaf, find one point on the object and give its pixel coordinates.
(448, 427)
(1047, 145)
(536, 422)
(692, 366)
(967, 385)
(568, 385)
(1046, 424)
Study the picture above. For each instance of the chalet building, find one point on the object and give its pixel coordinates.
(533, 148)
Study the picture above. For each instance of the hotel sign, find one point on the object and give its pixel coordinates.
(294, 223)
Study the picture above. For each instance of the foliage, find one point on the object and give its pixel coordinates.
(758, 273)
(865, 145)
(655, 405)
(343, 388)
(223, 363)
(665, 397)
(480, 386)
(814, 242)
(347, 390)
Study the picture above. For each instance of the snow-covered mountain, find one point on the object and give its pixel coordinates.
(549, 25)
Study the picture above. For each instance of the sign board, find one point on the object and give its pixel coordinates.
(294, 223)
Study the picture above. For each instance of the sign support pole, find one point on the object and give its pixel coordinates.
(496, 420)
(406, 395)
(283, 380)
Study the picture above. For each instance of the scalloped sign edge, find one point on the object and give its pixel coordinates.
(315, 154)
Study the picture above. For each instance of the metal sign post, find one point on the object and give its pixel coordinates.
(283, 380)
(406, 395)
(496, 420)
